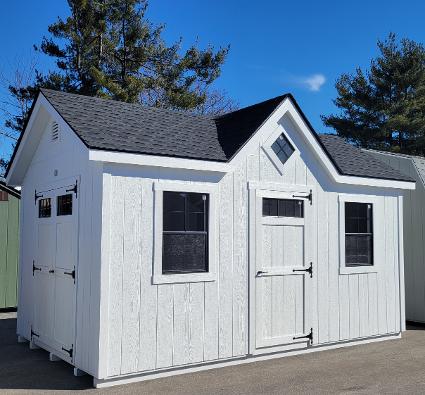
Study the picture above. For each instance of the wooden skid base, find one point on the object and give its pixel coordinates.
(99, 383)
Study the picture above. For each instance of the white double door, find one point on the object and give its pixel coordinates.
(54, 269)
(283, 268)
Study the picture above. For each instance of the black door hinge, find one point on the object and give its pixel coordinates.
(309, 197)
(35, 268)
(37, 196)
(309, 336)
(308, 270)
(72, 274)
(70, 351)
(74, 189)
(34, 334)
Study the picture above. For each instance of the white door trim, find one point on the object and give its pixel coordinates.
(258, 190)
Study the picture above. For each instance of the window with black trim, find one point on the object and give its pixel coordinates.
(185, 232)
(64, 205)
(44, 208)
(282, 148)
(283, 208)
(358, 234)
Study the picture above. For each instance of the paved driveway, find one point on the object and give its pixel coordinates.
(392, 367)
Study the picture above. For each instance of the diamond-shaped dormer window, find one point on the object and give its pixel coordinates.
(282, 148)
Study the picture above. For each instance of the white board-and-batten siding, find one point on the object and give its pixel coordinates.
(147, 326)
(53, 164)
(414, 231)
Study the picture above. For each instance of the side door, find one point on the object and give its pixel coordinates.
(55, 269)
(43, 267)
(66, 257)
(283, 268)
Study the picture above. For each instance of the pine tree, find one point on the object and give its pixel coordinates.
(384, 107)
(108, 48)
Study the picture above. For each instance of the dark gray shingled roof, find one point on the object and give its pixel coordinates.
(352, 161)
(117, 126)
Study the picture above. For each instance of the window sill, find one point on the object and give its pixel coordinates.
(357, 269)
(180, 278)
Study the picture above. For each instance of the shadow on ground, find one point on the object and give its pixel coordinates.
(22, 368)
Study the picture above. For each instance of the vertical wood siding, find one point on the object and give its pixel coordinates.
(9, 246)
(414, 233)
(159, 326)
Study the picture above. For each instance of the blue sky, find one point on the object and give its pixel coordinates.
(276, 46)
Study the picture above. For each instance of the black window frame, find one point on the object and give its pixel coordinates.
(45, 210)
(284, 150)
(282, 209)
(64, 204)
(359, 229)
(189, 223)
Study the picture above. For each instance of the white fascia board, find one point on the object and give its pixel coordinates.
(10, 179)
(158, 161)
(41, 104)
(287, 108)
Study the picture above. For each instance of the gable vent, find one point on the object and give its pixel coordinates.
(55, 131)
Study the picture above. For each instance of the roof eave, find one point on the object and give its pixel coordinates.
(158, 161)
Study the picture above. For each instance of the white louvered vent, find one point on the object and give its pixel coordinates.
(55, 131)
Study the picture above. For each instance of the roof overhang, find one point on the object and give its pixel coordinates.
(42, 110)
(28, 141)
(158, 161)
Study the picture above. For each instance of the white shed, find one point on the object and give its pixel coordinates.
(155, 242)
(414, 231)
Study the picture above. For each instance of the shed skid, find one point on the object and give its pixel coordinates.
(134, 378)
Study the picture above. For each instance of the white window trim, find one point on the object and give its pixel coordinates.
(180, 186)
(267, 147)
(343, 198)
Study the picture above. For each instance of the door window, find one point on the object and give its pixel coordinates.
(44, 208)
(64, 205)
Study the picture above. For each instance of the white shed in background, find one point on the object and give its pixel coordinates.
(155, 242)
(414, 231)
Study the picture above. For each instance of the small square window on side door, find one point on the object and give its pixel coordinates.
(64, 205)
(44, 208)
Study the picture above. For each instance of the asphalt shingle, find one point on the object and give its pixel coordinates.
(116, 126)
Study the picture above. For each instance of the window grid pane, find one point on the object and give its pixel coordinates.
(44, 208)
(282, 148)
(185, 232)
(358, 234)
(283, 208)
(64, 205)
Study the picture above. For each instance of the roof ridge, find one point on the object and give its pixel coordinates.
(280, 97)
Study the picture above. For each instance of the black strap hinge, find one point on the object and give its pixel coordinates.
(309, 197)
(74, 189)
(309, 336)
(34, 334)
(72, 274)
(35, 268)
(308, 270)
(37, 196)
(69, 351)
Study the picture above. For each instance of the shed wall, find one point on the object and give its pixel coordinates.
(70, 158)
(9, 248)
(414, 232)
(147, 327)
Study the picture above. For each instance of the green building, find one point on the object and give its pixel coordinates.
(9, 245)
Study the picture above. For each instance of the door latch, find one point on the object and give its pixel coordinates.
(260, 273)
(308, 270)
(51, 270)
